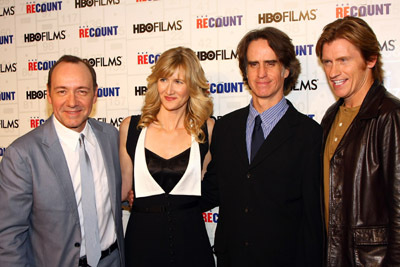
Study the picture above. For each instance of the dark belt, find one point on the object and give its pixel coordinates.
(159, 209)
(104, 253)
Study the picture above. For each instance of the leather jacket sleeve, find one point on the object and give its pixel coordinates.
(390, 153)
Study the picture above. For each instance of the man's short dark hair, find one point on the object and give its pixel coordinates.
(72, 59)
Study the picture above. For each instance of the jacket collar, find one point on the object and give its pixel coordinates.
(372, 101)
(369, 107)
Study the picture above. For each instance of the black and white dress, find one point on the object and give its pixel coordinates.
(166, 227)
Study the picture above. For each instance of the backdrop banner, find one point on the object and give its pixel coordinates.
(122, 39)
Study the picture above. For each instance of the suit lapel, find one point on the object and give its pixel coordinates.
(58, 163)
(103, 141)
(281, 132)
(239, 136)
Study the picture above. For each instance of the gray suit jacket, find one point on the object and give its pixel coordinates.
(39, 221)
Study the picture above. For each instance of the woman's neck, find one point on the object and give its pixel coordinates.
(169, 120)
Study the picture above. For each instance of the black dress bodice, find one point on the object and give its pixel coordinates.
(167, 172)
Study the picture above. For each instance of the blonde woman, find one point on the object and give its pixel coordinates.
(163, 155)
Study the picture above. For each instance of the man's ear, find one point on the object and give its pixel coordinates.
(95, 95)
(372, 61)
(48, 94)
(285, 73)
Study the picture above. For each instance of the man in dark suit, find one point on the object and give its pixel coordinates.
(265, 168)
(48, 215)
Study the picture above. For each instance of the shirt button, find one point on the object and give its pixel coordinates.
(335, 139)
(248, 176)
(340, 124)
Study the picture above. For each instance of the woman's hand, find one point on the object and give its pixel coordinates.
(130, 198)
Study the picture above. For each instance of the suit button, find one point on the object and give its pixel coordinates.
(248, 176)
(77, 245)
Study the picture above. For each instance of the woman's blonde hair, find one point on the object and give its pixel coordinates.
(199, 107)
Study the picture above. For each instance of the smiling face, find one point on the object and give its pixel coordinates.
(266, 75)
(173, 91)
(349, 75)
(72, 94)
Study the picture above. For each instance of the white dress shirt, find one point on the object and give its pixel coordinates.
(69, 140)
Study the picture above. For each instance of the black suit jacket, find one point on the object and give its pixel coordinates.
(269, 210)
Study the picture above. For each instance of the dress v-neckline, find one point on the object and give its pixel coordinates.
(177, 155)
(144, 183)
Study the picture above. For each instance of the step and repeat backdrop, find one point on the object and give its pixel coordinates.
(122, 39)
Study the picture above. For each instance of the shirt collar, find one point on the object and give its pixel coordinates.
(70, 137)
(267, 114)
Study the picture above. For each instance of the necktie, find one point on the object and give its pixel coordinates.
(93, 250)
(257, 138)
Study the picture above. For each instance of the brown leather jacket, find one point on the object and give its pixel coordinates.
(364, 197)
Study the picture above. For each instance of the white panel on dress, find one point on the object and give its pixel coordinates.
(145, 185)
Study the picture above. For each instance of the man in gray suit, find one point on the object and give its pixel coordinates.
(42, 197)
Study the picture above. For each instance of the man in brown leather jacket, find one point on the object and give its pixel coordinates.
(361, 150)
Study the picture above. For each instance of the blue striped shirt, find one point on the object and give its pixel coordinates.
(269, 118)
